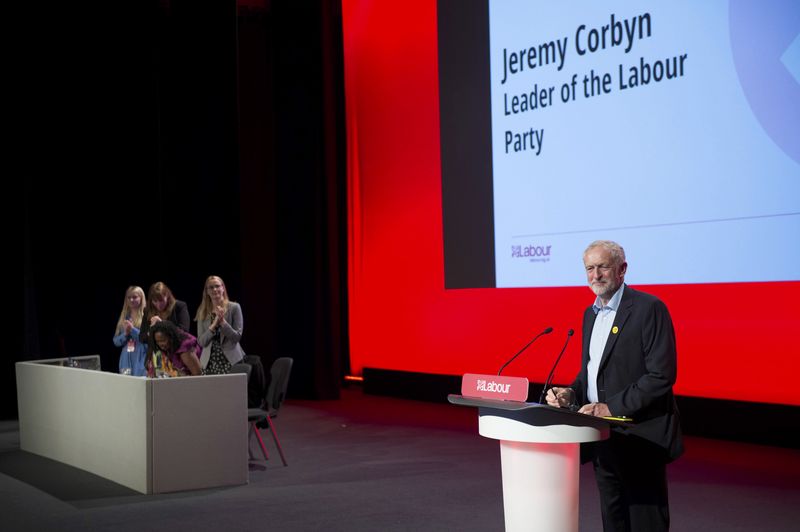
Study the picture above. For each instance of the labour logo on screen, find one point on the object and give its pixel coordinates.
(532, 252)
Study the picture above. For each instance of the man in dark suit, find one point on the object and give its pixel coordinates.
(627, 370)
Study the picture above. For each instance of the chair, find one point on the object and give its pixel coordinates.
(241, 367)
(273, 399)
(257, 382)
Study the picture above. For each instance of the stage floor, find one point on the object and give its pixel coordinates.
(368, 463)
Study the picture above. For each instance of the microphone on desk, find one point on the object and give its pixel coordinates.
(546, 331)
(550, 376)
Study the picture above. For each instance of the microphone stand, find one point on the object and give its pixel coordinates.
(546, 331)
(552, 371)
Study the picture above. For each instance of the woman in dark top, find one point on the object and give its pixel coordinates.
(163, 307)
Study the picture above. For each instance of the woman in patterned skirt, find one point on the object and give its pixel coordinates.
(219, 328)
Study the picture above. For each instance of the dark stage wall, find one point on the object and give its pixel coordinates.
(176, 140)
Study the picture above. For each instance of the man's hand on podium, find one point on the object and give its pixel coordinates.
(595, 409)
(560, 397)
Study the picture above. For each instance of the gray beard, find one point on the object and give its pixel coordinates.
(604, 291)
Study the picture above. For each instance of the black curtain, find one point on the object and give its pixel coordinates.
(176, 140)
(294, 222)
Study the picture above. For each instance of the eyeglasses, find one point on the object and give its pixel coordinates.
(213, 287)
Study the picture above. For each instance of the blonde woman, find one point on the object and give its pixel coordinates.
(219, 328)
(126, 335)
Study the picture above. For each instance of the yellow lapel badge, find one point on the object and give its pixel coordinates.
(614, 329)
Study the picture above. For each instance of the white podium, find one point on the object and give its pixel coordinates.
(540, 459)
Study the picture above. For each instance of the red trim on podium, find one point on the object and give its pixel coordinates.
(494, 387)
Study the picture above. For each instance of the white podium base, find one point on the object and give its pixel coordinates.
(540, 486)
(540, 458)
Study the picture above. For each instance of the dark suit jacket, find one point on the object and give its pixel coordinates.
(637, 370)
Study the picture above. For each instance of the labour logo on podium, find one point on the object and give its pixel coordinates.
(494, 387)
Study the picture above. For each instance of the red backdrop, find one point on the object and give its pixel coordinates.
(735, 341)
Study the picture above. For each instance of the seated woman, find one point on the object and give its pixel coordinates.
(172, 351)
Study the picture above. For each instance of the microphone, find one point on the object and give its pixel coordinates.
(546, 331)
(550, 376)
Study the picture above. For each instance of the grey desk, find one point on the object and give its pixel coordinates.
(151, 435)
